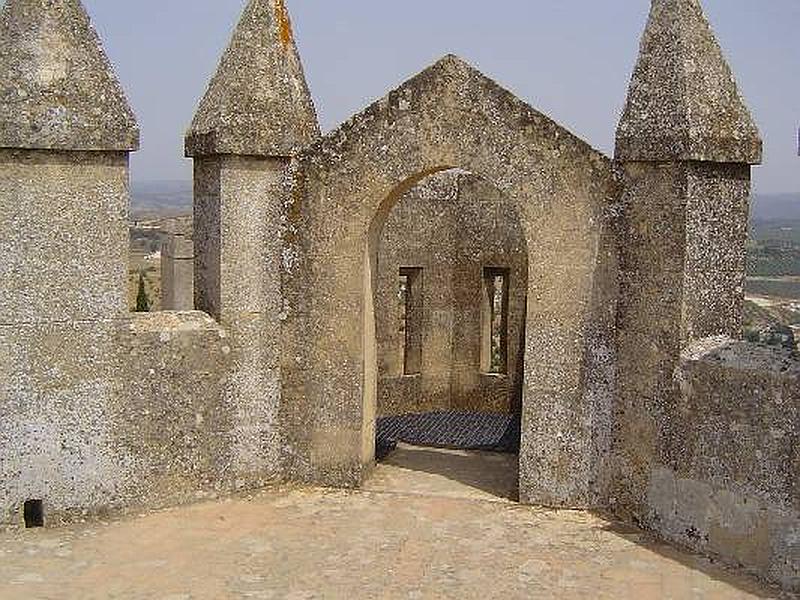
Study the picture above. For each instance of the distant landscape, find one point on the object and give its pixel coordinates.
(772, 312)
(770, 212)
(773, 260)
(157, 209)
(154, 199)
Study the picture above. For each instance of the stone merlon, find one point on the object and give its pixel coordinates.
(58, 90)
(258, 102)
(683, 102)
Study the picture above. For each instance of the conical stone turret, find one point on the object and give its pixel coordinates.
(256, 115)
(683, 102)
(258, 102)
(684, 147)
(57, 88)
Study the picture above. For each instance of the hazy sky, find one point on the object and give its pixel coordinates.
(571, 59)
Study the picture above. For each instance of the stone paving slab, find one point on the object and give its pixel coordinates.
(445, 472)
(303, 544)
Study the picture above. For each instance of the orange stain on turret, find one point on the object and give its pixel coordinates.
(284, 24)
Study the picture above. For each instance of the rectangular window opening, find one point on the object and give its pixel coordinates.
(494, 321)
(410, 297)
(33, 512)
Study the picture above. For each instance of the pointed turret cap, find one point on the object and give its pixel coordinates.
(683, 102)
(57, 88)
(258, 102)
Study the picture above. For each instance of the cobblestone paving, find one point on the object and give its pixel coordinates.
(304, 544)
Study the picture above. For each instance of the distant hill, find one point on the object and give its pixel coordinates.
(776, 207)
(152, 199)
(774, 247)
(776, 217)
(170, 198)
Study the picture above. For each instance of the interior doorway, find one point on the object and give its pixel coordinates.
(450, 297)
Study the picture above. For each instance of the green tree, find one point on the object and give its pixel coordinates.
(142, 301)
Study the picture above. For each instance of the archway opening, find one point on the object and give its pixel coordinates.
(448, 280)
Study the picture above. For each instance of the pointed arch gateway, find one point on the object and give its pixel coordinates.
(450, 116)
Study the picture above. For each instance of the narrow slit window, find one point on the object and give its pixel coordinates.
(494, 321)
(410, 297)
(33, 513)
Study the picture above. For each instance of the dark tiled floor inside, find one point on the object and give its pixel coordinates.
(450, 429)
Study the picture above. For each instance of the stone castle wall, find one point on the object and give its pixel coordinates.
(624, 265)
(109, 418)
(64, 235)
(100, 410)
(177, 272)
(727, 481)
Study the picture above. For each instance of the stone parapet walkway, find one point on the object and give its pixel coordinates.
(392, 542)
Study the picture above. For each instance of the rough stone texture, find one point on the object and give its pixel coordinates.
(683, 236)
(452, 225)
(58, 390)
(256, 113)
(58, 90)
(717, 217)
(345, 186)
(489, 234)
(63, 235)
(627, 264)
(172, 422)
(729, 481)
(100, 409)
(419, 232)
(177, 273)
(698, 447)
(104, 416)
(258, 102)
(705, 432)
(238, 214)
(248, 216)
(649, 319)
(683, 102)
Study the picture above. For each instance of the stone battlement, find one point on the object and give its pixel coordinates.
(448, 248)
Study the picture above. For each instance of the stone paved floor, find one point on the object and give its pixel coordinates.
(447, 473)
(438, 534)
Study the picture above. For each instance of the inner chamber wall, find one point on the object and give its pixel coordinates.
(452, 226)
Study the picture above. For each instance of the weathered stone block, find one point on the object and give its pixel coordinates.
(257, 103)
(59, 387)
(252, 396)
(738, 411)
(683, 103)
(739, 530)
(177, 273)
(63, 235)
(172, 418)
(239, 225)
(693, 509)
(662, 495)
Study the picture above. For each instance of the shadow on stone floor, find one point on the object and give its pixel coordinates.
(716, 570)
(488, 476)
(470, 474)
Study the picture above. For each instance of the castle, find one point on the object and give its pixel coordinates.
(600, 298)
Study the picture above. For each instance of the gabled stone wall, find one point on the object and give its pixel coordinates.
(628, 263)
